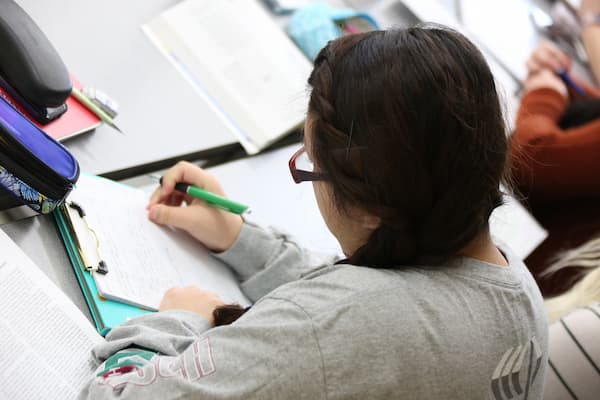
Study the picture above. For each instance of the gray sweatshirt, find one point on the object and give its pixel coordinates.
(464, 330)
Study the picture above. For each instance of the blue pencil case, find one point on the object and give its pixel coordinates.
(34, 167)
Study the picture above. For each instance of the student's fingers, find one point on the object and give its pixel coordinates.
(173, 199)
(559, 56)
(546, 79)
(186, 172)
(214, 228)
(548, 56)
(533, 66)
(155, 198)
(178, 217)
(193, 299)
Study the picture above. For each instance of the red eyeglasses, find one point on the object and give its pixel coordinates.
(302, 168)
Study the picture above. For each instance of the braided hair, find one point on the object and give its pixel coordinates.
(408, 127)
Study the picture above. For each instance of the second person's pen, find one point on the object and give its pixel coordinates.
(564, 75)
(211, 199)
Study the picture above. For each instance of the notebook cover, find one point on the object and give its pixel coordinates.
(76, 120)
(106, 313)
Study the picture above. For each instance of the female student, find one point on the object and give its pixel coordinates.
(405, 147)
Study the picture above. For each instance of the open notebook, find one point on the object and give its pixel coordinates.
(143, 259)
(240, 62)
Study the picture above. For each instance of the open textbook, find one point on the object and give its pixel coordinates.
(240, 62)
(45, 341)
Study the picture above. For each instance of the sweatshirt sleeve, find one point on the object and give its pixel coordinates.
(270, 353)
(549, 162)
(265, 259)
(538, 116)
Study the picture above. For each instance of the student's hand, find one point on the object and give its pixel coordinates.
(547, 56)
(191, 298)
(545, 79)
(216, 229)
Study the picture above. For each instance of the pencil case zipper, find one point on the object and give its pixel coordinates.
(48, 182)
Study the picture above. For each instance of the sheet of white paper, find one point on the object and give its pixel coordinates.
(239, 59)
(143, 259)
(45, 341)
(516, 227)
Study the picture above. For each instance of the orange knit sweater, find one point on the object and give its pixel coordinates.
(551, 163)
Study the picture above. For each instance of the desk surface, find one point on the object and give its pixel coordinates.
(161, 114)
(163, 118)
(159, 111)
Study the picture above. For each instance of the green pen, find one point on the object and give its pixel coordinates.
(83, 99)
(213, 200)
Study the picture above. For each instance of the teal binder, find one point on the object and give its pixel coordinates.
(106, 313)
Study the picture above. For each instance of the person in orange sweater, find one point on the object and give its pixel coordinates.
(557, 133)
(556, 159)
(557, 138)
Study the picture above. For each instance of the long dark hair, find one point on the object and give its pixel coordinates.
(417, 114)
(416, 118)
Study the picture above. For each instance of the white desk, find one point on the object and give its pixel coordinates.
(162, 115)
(102, 44)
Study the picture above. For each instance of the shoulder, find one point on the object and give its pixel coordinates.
(441, 318)
(341, 284)
(354, 290)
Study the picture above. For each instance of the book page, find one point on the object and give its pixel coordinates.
(45, 341)
(144, 260)
(241, 61)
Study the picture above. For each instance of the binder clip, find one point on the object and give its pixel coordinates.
(101, 267)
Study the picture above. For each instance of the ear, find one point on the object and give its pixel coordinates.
(369, 221)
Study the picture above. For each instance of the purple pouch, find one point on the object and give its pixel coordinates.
(35, 168)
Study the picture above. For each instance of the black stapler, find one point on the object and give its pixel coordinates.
(31, 71)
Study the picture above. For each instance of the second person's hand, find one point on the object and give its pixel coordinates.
(215, 228)
(545, 79)
(548, 56)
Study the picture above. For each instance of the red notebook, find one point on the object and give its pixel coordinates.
(76, 120)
